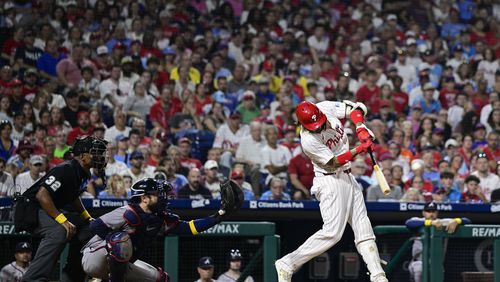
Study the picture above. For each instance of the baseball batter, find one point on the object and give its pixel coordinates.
(341, 200)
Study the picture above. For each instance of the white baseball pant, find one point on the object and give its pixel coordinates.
(95, 265)
(340, 202)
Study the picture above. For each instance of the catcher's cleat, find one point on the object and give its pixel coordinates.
(284, 275)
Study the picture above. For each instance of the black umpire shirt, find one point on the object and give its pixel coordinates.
(64, 182)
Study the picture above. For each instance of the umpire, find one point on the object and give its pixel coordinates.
(42, 210)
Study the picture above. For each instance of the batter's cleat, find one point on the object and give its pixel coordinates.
(379, 278)
(284, 274)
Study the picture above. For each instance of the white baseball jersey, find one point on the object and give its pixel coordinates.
(322, 147)
(12, 272)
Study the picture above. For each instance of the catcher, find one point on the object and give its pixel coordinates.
(124, 234)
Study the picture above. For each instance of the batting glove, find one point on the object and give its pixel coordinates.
(365, 146)
(364, 134)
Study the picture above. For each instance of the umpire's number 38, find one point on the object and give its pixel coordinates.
(54, 184)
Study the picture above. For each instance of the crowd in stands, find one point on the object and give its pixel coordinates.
(196, 91)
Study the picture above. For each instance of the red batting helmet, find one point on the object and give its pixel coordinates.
(310, 116)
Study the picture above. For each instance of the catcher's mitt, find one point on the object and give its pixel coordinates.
(231, 197)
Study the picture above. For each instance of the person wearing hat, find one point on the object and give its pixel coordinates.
(136, 170)
(205, 270)
(264, 95)
(15, 270)
(212, 182)
(185, 159)
(238, 176)
(26, 179)
(248, 108)
(429, 218)
(30, 87)
(23, 151)
(234, 272)
(489, 181)
(406, 70)
(229, 136)
(27, 55)
(428, 103)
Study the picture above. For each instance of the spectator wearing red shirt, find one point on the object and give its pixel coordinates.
(400, 98)
(30, 78)
(159, 77)
(491, 149)
(448, 92)
(148, 49)
(201, 99)
(156, 153)
(369, 94)
(185, 149)
(161, 112)
(84, 127)
(301, 174)
(10, 46)
(473, 193)
(290, 141)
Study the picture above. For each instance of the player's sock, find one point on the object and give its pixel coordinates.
(369, 252)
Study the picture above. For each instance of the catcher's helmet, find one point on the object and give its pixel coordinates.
(310, 116)
(150, 186)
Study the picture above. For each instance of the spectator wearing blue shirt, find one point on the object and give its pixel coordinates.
(276, 192)
(119, 36)
(466, 9)
(428, 103)
(451, 29)
(447, 191)
(264, 95)
(166, 171)
(46, 64)
(7, 147)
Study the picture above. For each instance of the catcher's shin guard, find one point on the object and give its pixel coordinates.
(117, 269)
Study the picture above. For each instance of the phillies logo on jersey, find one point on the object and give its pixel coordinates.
(334, 141)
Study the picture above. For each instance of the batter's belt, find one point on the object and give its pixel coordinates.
(346, 171)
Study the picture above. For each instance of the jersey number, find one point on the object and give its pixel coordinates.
(53, 183)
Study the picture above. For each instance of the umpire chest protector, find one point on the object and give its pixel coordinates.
(64, 182)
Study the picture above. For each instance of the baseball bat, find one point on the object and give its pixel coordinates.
(382, 182)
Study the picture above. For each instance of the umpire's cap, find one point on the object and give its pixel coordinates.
(23, 246)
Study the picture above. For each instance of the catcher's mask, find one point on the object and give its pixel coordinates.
(94, 146)
(150, 186)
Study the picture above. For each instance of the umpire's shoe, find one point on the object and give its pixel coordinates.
(284, 272)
